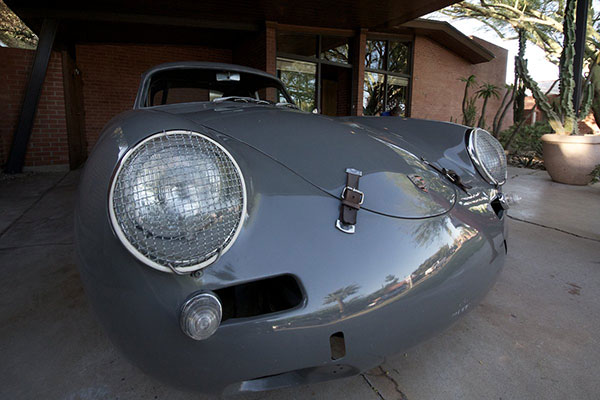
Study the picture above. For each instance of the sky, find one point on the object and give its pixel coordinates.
(540, 69)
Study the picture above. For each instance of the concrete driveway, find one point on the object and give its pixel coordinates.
(535, 336)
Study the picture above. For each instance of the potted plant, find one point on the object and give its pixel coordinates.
(568, 157)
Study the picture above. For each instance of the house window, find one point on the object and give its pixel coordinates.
(316, 70)
(299, 78)
(387, 77)
(335, 49)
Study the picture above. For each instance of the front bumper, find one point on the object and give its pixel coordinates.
(410, 279)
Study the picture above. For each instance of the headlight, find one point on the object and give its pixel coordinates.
(488, 156)
(177, 201)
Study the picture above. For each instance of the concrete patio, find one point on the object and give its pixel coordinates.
(534, 336)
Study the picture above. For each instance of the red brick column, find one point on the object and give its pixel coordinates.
(271, 47)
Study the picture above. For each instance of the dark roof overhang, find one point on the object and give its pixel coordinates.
(137, 21)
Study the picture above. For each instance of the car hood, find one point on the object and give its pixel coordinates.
(321, 148)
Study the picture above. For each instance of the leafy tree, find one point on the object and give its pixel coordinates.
(13, 32)
(541, 22)
(301, 87)
(375, 92)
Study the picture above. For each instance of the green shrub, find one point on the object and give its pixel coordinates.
(595, 175)
(525, 147)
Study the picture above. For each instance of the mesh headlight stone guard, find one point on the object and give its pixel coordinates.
(177, 201)
(488, 156)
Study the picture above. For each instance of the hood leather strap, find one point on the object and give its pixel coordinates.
(352, 198)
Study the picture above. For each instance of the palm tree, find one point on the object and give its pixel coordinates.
(339, 295)
(466, 107)
(486, 91)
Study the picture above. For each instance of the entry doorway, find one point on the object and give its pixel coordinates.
(335, 90)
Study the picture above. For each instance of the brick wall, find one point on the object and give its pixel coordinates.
(344, 95)
(48, 142)
(271, 48)
(437, 91)
(251, 51)
(259, 51)
(111, 75)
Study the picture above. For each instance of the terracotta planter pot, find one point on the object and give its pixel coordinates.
(571, 159)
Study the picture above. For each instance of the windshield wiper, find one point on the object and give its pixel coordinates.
(285, 104)
(451, 175)
(242, 99)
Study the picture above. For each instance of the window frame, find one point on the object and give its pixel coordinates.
(409, 40)
(317, 59)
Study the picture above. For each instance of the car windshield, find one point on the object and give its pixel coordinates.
(194, 85)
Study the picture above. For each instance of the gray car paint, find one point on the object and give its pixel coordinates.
(413, 276)
(320, 149)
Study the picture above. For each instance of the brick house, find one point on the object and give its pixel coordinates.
(336, 67)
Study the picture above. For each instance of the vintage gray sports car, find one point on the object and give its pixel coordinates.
(230, 242)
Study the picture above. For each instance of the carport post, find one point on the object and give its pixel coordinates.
(74, 110)
(16, 157)
(580, 36)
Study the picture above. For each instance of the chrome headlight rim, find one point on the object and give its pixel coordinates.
(479, 166)
(116, 227)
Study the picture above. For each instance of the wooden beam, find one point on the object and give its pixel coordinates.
(74, 111)
(398, 37)
(316, 30)
(162, 20)
(16, 157)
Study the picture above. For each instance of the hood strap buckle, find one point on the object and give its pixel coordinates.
(352, 199)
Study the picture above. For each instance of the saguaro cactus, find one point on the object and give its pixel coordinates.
(562, 117)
